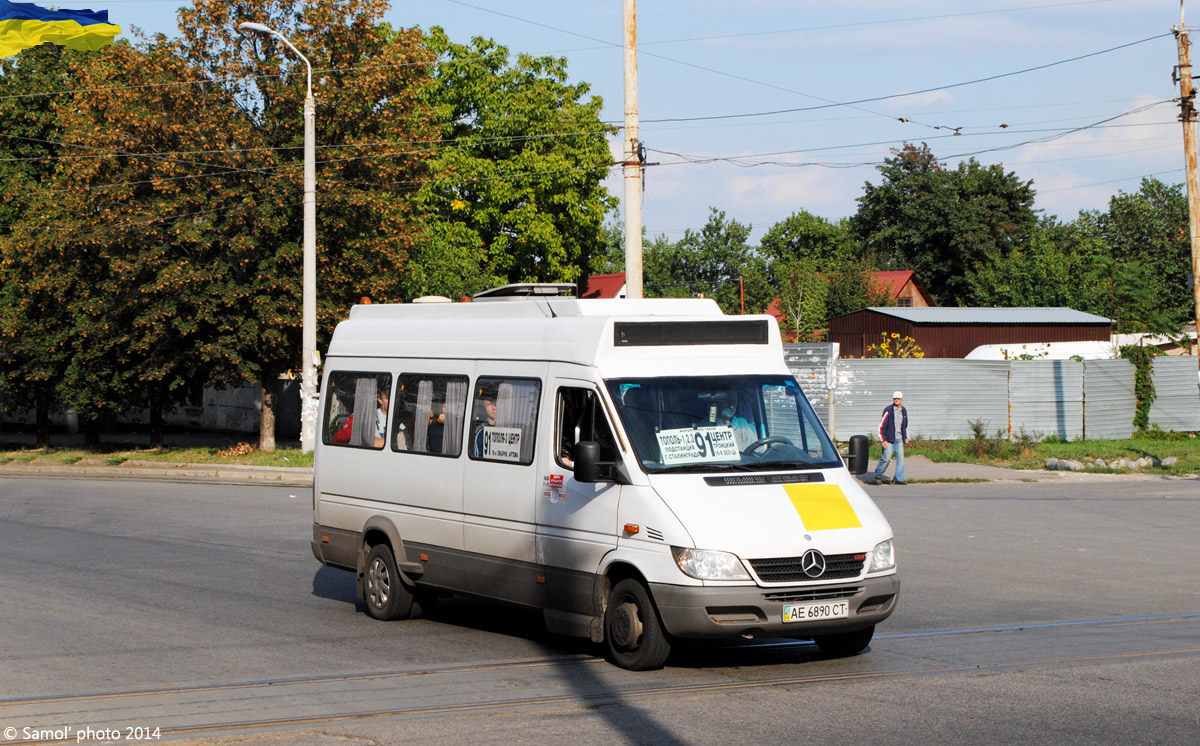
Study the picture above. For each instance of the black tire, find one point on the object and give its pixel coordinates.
(845, 643)
(633, 633)
(387, 596)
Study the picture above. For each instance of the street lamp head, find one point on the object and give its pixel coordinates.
(257, 27)
(262, 28)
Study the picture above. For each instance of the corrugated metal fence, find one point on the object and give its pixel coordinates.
(1092, 399)
(1176, 396)
(812, 365)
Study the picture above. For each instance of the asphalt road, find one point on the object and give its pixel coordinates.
(1046, 613)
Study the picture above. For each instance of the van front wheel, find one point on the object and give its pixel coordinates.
(632, 631)
(387, 597)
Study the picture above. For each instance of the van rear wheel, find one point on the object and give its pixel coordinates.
(633, 633)
(845, 643)
(387, 597)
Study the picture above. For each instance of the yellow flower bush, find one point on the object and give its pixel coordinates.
(893, 345)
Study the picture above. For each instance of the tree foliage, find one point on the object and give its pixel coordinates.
(1146, 233)
(514, 192)
(947, 225)
(133, 237)
(35, 325)
(372, 131)
(714, 262)
(803, 235)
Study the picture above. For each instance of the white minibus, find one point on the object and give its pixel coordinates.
(641, 471)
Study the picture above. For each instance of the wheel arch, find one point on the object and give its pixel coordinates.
(379, 530)
(607, 576)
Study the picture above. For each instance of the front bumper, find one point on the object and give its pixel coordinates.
(732, 611)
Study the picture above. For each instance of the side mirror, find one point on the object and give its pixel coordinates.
(860, 451)
(587, 461)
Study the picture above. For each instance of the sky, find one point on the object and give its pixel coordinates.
(1075, 95)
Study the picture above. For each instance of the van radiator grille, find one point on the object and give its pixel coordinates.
(787, 569)
(826, 593)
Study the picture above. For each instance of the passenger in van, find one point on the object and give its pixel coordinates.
(343, 436)
(437, 426)
(489, 408)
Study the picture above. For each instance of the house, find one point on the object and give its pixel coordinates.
(955, 332)
(611, 285)
(904, 289)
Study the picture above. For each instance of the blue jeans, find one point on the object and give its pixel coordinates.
(898, 446)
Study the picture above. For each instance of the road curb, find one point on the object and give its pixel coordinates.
(165, 470)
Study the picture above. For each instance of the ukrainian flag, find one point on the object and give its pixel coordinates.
(25, 25)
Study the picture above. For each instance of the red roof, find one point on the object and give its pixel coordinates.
(602, 286)
(894, 282)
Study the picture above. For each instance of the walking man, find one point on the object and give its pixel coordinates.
(893, 434)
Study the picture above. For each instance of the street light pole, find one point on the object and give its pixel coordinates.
(308, 380)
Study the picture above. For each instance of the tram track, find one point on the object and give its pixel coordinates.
(208, 717)
(592, 700)
(558, 662)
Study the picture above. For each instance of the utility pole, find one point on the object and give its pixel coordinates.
(633, 160)
(1187, 115)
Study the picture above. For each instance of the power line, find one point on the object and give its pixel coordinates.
(745, 162)
(1110, 181)
(678, 62)
(874, 99)
(887, 21)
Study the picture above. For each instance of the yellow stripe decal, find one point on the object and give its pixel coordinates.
(822, 506)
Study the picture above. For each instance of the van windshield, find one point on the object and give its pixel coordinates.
(721, 423)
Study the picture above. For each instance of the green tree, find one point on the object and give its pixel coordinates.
(812, 291)
(35, 325)
(944, 224)
(1148, 231)
(514, 192)
(373, 132)
(803, 235)
(130, 237)
(716, 262)
(819, 271)
(610, 256)
(1047, 271)
(803, 292)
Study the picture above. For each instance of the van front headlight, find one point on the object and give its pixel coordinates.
(883, 557)
(706, 565)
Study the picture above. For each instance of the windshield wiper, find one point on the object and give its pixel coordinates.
(700, 468)
(793, 464)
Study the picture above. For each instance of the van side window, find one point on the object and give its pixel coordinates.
(430, 412)
(504, 419)
(356, 411)
(579, 417)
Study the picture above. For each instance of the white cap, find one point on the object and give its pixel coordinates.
(897, 394)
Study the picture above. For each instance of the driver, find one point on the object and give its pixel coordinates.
(743, 432)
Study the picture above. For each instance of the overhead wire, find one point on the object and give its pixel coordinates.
(830, 104)
(856, 24)
(744, 160)
(888, 97)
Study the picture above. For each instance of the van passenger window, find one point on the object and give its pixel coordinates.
(579, 417)
(504, 419)
(356, 410)
(429, 415)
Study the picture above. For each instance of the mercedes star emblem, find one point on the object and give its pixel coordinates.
(813, 563)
